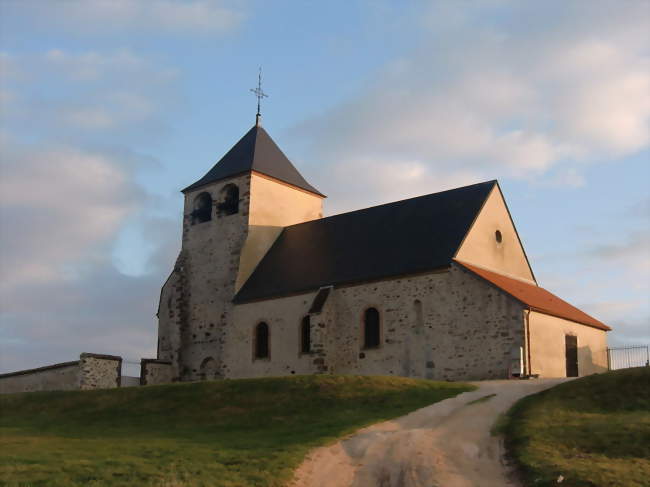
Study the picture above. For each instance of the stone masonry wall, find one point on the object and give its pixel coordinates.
(284, 317)
(153, 372)
(99, 371)
(91, 371)
(462, 329)
(58, 377)
(196, 301)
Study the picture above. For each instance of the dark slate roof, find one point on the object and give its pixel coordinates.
(255, 151)
(405, 237)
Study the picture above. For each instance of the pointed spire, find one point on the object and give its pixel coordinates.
(260, 94)
(257, 152)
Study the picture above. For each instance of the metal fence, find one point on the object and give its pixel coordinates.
(130, 368)
(627, 357)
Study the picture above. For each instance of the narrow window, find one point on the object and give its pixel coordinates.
(229, 204)
(262, 340)
(371, 328)
(202, 208)
(419, 319)
(305, 335)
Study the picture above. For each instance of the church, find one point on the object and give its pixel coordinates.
(438, 286)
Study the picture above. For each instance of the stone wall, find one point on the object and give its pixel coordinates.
(98, 371)
(91, 371)
(58, 377)
(447, 325)
(444, 326)
(153, 371)
(196, 301)
(284, 317)
(196, 310)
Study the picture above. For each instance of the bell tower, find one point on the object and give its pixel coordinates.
(231, 217)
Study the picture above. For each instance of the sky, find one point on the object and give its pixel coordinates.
(109, 108)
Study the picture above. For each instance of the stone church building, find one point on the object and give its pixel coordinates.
(437, 286)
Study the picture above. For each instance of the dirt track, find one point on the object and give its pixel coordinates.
(447, 444)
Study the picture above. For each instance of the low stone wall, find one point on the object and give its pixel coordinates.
(57, 377)
(153, 371)
(99, 371)
(91, 371)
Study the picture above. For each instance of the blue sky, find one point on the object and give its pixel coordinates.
(108, 109)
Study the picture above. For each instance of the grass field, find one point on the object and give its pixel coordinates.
(230, 433)
(593, 431)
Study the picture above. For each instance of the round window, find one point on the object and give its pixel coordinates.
(498, 236)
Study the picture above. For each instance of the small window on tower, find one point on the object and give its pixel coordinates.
(202, 208)
(498, 236)
(229, 204)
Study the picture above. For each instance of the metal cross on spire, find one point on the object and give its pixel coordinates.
(260, 94)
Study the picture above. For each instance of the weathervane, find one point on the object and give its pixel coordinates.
(260, 94)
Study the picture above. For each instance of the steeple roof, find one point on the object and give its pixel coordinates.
(255, 151)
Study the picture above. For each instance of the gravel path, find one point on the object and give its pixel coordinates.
(447, 444)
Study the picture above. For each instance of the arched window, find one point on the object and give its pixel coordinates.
(229, 204)
(305, 335)
(202, 208)
(262, 340)
(208, 369)
(371, 328)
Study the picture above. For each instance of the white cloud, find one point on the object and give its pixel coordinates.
(59, 205)
(91, 91)
(501, 100)
(101, 17)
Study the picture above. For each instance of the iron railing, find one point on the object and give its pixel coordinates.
(627, 357)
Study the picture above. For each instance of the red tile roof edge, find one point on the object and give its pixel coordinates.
(535, 297)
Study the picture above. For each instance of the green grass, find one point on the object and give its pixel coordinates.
(251, 432)
(593, 431)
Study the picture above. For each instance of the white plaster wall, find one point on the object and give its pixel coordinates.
(273, 206)
(279, 204)
(480, 246)
(547, 346)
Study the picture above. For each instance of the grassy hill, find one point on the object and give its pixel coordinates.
(229, 433)
(593, 431)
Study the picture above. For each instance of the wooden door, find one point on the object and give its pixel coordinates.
(571, 356)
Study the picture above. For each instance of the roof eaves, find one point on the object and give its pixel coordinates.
(597, 323)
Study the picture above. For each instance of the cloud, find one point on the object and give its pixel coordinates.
(153, 17)
(89, 92)
(487, 96)
(76, 199)
(633, 253)
(66, 196)
(610, 281)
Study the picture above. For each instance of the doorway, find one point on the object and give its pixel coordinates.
(571, 346)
